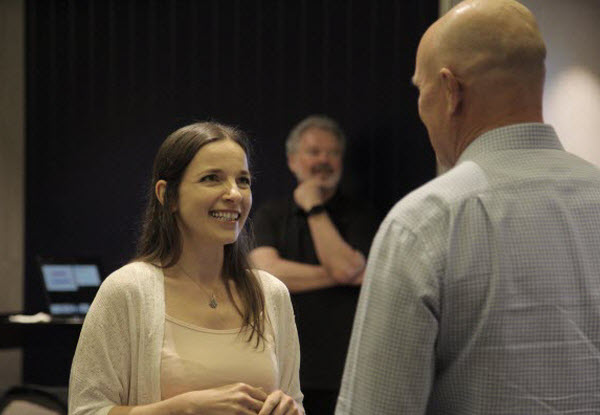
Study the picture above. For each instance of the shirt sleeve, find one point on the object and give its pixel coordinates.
(281, 316)
(391, 361)
(290, 370)
(98, 378)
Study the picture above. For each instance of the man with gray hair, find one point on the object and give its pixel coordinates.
(482, 289)
(316, 241)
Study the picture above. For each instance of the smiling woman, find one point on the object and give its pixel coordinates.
(188, 327)
(214, 194)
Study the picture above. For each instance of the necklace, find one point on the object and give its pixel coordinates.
(213, 298)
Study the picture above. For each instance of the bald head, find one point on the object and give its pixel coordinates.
(479, 38)
(479, 67)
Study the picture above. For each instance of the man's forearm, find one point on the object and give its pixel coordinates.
(341, 261)
(297, 276)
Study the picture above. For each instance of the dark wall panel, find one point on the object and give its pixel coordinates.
(108, 80)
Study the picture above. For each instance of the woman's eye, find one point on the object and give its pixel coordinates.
(210, 178)
(245, 181)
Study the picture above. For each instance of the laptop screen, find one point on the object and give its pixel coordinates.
(70, 287)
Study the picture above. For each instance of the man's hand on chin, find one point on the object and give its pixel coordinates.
(308, 194)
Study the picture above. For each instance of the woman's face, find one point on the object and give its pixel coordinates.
(214, 194)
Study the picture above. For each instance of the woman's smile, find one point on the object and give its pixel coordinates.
(225, 216)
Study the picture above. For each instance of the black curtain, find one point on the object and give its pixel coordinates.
(107, 80)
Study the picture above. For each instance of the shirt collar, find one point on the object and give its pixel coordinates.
(513, 137)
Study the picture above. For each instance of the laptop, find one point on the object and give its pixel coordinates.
(70, 284)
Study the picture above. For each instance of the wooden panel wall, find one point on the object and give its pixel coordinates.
(12, 174)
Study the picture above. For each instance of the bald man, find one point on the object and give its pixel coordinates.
(482, 289)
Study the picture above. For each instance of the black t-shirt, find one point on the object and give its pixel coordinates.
(324, 317)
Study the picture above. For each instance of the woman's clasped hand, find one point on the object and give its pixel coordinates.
(238, 398)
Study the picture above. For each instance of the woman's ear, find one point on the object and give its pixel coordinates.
(159, 190)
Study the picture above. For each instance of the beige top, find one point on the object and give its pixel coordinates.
(196, 358)
(118, 356)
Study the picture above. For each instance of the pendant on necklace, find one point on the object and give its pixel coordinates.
(213, 301)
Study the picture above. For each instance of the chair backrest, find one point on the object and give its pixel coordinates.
(27, 400)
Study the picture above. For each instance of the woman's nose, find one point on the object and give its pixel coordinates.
(233, 192)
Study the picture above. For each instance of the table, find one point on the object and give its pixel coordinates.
(48, 348)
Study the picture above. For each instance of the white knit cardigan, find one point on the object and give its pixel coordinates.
(117, 361)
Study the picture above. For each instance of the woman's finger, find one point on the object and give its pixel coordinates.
(256, 393)
(244, 400)
(271, 403)
(286, 406)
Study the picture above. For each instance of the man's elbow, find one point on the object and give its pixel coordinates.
(357, 263)
(350, 270)
(342, 275)
(263, 258)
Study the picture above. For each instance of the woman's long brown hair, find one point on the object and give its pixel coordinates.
(160, 241)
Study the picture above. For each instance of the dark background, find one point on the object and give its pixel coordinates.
(107, 81)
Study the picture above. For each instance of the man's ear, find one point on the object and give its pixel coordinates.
(159, 190)
(291, 162)
(452, 89)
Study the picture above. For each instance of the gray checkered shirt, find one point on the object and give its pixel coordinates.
(482, 290)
